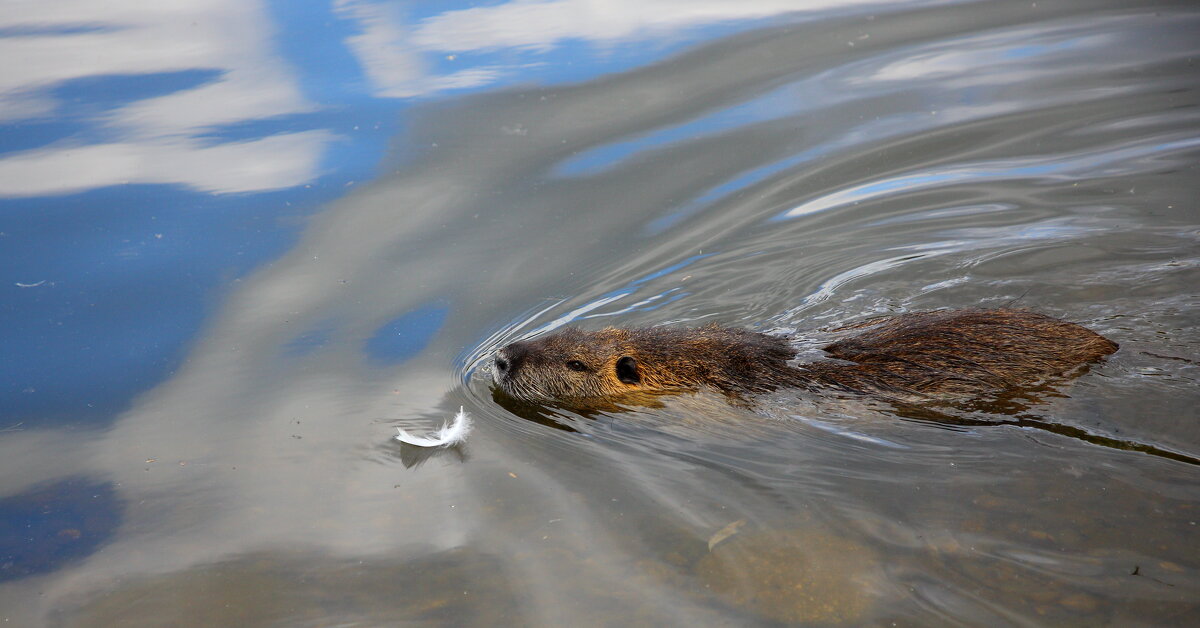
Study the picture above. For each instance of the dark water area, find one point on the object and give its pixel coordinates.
(242, 243)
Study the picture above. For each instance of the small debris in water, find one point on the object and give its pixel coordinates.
(725, 533)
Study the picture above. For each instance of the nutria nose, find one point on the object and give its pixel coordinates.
(509, 358)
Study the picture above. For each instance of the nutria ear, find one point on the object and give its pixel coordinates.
(627, 370)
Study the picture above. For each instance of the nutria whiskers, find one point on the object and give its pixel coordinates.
(948, 354)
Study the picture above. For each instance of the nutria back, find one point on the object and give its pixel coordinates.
(948, 354)
(959, 353)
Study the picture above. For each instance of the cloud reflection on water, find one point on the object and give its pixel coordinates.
(157, 139)
(160, 139)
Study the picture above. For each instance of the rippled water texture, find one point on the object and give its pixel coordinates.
(242, 242)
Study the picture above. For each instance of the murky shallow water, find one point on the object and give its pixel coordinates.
(794, 175)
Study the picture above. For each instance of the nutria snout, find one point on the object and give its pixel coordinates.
(947, 354)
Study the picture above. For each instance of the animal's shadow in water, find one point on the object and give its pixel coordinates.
(555, 416)
(1012, 408)
(1034, 421)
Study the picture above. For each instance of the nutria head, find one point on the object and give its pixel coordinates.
(567, 364)
(574, 365)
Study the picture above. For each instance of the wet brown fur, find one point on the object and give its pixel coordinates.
(947, 354)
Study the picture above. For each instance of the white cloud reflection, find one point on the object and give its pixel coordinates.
(157, 137)
(542, 24)
(392, 53)
(271, 163)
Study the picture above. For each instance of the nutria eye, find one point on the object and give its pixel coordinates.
(576, 365)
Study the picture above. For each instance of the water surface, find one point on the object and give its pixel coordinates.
(243, 242)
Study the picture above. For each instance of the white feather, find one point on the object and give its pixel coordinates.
(451, 433)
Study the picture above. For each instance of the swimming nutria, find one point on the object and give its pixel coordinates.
(947, 354)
